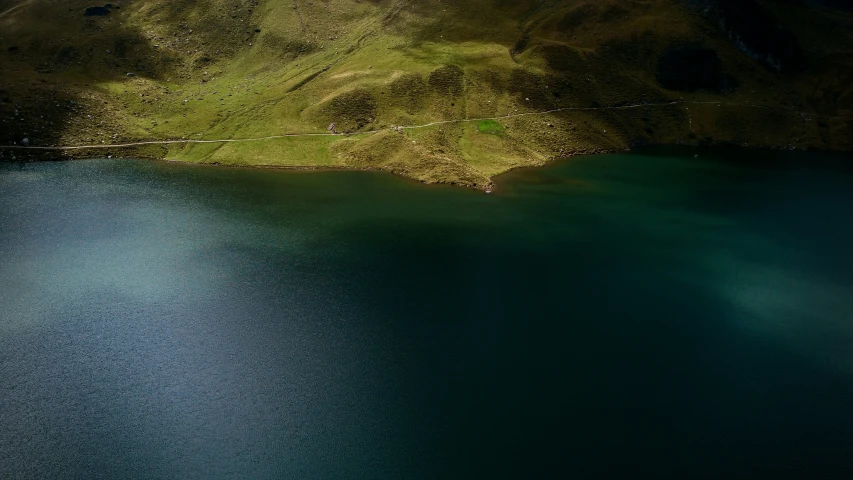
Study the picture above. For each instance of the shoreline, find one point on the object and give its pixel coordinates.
(140, 150)
(136, 149)
(494, 185)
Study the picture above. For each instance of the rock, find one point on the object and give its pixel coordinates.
(331, 127)
(97, 11)
(131, 74)
(25, 142)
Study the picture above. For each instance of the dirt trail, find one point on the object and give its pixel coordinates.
(409, 127)
(299, 14)
(14, 8)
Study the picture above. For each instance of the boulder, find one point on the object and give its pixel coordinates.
(97, 11)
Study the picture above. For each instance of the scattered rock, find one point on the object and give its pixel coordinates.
(25, 142)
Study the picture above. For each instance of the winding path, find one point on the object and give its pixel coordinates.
(404, 127)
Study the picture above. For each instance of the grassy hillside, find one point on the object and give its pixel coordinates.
(238, 69)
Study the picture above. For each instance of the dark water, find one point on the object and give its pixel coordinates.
(608, 317)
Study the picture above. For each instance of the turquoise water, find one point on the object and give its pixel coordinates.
(604, 317)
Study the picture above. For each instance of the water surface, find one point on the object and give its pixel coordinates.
(605, 317)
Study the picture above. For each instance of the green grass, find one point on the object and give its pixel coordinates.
(490, 127)
(220, 69)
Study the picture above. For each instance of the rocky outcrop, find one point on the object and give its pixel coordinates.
(756, 32)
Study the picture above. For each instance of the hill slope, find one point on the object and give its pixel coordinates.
(613, 74)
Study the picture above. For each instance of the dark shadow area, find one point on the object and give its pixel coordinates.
(844, 5)
(54, 56)
(487, 21)
(97, 11)
(755, 31)
(690, 68)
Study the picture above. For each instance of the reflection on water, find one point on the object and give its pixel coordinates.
(603, 317)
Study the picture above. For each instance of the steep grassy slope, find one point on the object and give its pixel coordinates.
(236, 69)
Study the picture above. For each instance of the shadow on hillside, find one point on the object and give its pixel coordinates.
(487, 21)
(54, 56)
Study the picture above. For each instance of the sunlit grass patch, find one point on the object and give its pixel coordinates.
(490, 127)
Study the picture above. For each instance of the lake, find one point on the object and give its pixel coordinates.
(614, 316)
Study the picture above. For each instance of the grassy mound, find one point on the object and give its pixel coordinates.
(347, 112)
(490, 127)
